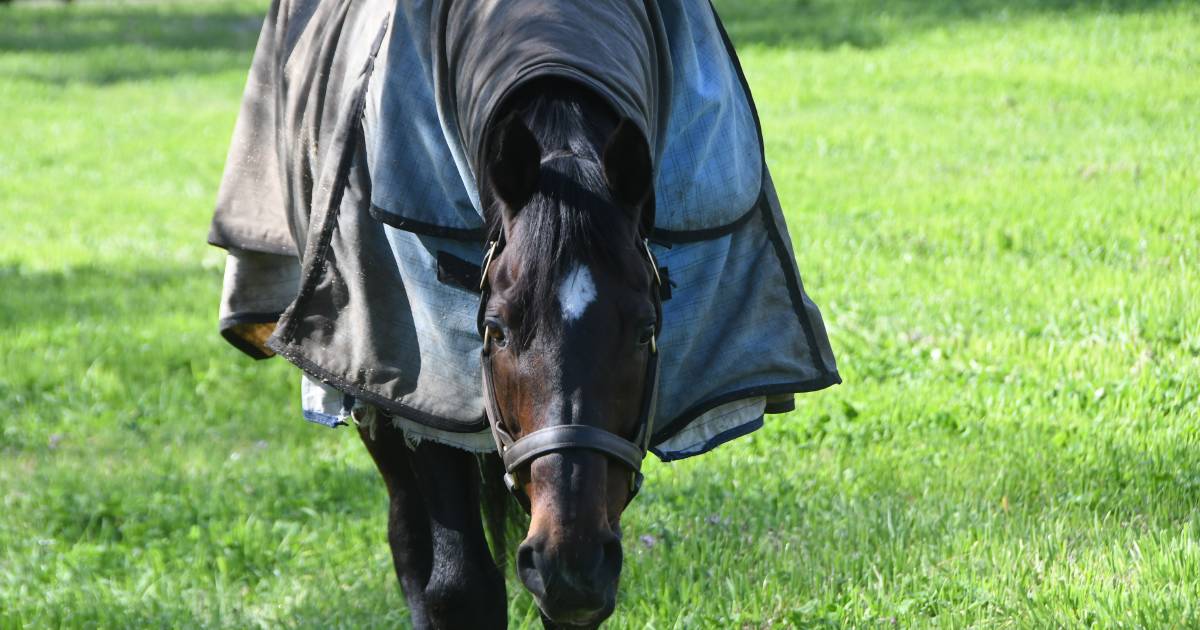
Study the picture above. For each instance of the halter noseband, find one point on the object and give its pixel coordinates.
(517, 452)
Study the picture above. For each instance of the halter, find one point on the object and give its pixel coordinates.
(517, 452)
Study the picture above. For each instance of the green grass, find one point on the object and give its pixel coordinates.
(995, 203)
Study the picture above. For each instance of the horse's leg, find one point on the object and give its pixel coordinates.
(436, 532)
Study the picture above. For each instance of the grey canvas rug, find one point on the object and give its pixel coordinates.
(350, 213)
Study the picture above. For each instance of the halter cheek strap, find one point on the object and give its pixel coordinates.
(518, 452)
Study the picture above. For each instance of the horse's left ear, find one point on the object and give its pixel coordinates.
(628, 169)
(516, 163)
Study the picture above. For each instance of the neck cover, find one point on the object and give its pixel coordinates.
(485, 50)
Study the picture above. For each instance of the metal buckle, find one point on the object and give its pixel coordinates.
(487, 263)
(653, 261)
(657, 284)
(510, 482)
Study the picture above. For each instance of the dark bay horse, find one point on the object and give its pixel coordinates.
(569, 321)
(383, 147)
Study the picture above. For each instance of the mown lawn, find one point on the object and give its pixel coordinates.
(997, 205)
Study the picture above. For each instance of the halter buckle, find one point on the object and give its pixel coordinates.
(487, 264)
(510, 482)
(653, 261)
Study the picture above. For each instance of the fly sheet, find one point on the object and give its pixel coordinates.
(350, 211)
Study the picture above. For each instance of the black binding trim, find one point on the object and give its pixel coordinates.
(478, 235)
(713, 442)
(227, 324)
(677, 237)
(426, 229)
(737, 65)
(795, 289)
(219, 237)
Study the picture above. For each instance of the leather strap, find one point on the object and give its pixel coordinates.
(567, 436)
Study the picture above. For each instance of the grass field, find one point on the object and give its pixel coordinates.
(996, 204)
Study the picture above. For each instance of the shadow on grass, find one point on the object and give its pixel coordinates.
(825, 24)
(168, 26)
(101, 44)
(145, 496)
(93, 296)
(115, 43)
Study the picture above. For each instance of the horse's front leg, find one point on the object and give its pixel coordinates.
(436, 532)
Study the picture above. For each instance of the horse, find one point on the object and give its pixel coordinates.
(569, 325)
(447, 215)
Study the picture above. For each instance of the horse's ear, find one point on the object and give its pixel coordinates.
(627, 165)
(516, 162)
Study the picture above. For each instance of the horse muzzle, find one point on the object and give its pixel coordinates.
(575, 585)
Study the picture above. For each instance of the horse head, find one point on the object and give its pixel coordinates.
(569, 318)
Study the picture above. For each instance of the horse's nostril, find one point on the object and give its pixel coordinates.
(612, 558)
(573, 583)
(528, 561)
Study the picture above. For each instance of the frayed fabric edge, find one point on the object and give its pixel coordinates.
(414, 434)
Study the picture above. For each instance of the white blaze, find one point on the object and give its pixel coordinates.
(576, 292)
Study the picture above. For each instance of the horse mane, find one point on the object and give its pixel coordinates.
(572, 217)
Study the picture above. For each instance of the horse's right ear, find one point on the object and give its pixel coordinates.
(627, 165)
(515, 163)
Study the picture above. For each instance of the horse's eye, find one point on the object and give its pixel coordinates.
(494, 331)
(647, 335)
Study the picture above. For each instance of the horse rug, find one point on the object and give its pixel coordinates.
(354, 232)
